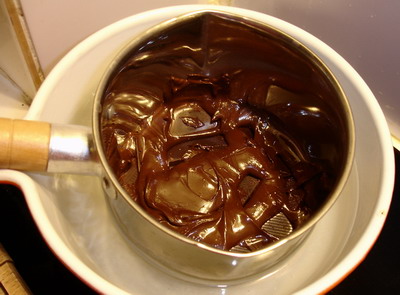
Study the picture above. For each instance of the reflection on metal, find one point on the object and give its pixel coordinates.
(72, 151)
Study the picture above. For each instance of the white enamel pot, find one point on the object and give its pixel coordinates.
(182, 257)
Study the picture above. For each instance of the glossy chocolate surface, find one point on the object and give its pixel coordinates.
(222, 132)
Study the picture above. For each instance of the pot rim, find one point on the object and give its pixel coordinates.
(307, 52)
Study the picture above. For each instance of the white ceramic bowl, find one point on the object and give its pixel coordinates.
(71, 211)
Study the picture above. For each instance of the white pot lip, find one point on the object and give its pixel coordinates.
(323, 284)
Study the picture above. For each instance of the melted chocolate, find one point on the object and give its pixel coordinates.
(216, 127)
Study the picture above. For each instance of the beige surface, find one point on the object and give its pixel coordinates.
(366, 33)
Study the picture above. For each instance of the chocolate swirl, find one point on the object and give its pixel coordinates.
(220, 129)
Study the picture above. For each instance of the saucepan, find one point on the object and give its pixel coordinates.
(230, 51)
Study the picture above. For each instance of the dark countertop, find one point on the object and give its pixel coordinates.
(379, 273)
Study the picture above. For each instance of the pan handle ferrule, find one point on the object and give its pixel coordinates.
(72, 150)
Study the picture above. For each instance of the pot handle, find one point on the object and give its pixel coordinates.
(44, 147)
(24, 145)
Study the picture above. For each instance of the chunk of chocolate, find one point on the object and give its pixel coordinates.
(191, 120)
(278, 226)
(247, 187)
(187, 149)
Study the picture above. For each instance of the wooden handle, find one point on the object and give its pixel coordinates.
(24, 145)
(11, 281)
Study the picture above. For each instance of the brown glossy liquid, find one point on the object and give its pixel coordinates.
(216, 128)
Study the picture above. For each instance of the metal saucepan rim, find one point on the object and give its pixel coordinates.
(288, 39)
